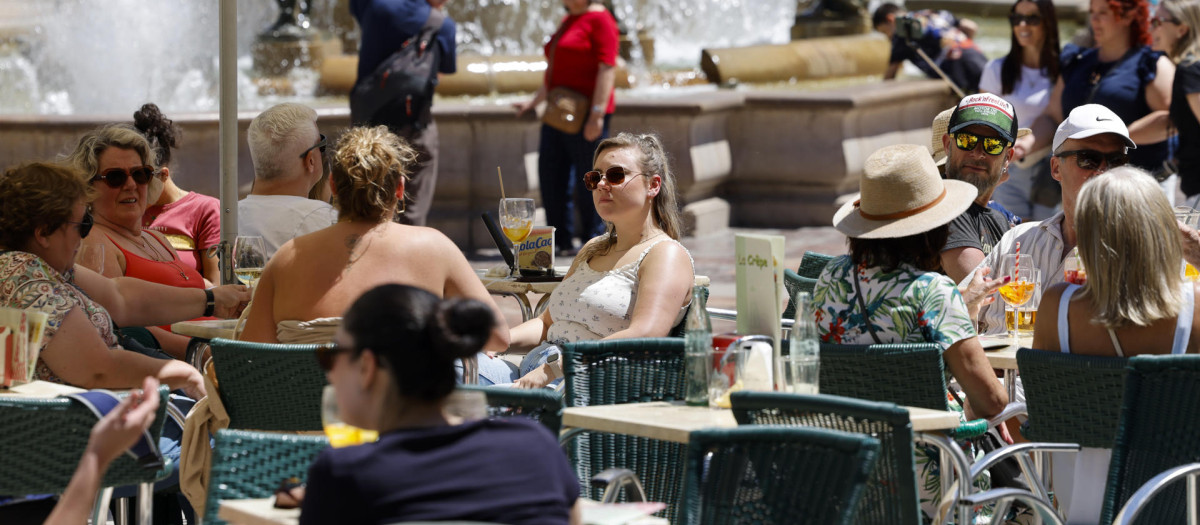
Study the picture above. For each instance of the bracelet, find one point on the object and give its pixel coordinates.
(210, 302)
(598, 109)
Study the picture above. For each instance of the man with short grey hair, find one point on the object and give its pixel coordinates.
(288, 152)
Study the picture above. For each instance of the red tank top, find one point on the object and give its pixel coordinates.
(173, 272)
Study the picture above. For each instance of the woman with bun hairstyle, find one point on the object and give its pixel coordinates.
(311, 280)
(392, 365)
(190, 221)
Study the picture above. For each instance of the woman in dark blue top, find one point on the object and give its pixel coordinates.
(393, 367)
(1121, 73)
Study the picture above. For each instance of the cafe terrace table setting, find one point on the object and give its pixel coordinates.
(1002, 355)
(520, 289)
(262, 511)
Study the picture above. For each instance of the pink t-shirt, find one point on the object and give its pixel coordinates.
(190, 224)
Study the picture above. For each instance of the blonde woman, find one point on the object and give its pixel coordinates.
(632, 281)
(1173, 31)
(1135, 302)
(313, 278)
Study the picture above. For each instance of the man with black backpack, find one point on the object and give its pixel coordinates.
(405, 45)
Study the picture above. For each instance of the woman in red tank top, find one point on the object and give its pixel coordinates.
(119, 163)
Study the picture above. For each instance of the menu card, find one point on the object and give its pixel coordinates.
(20, 343)
(760, 291)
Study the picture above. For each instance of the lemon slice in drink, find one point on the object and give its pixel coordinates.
(723, 401)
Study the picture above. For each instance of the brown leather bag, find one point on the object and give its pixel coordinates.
(566, 110)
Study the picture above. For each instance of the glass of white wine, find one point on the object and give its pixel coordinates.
(249, 257)
(516, 219)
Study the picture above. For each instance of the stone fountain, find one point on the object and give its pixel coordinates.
(779, 155)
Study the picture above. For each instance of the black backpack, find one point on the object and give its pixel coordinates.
(399, 93)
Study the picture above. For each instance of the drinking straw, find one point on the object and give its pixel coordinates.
(501, 177)
(1018, 245)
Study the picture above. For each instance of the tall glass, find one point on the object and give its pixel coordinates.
(91, 256)
(1073, 270)
(1018, 291)
(516, 219)
(249, 258)
(1023, 317)
(1191, 218)
(340, 433)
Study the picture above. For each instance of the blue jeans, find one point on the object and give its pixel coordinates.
(562, 161)
(497, 371)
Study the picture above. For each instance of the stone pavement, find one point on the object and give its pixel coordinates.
(713, 254)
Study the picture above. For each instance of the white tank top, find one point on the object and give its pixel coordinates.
(1183, 327)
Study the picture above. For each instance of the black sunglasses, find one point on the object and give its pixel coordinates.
(966, 141)
(116, 177)
(319, 145)
(326, 352)
(84, 225)
(615, 176)
(1090, 159)
(1030, 20)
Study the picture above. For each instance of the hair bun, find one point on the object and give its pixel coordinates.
(461, 326)
(157, 128)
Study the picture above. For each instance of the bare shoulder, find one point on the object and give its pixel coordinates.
(669, 257)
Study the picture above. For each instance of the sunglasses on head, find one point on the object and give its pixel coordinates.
(615, 176)
(319, 145)
(84, 225)
(1030, 20)
(966, 141)
(116, 177)
(1090, 159)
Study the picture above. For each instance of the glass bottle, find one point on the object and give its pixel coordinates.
(804, 359)
(698, 350)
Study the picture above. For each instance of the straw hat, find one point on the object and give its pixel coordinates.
(901, 195)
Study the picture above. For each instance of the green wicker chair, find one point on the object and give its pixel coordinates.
(269, 386)
(812, 264)
(1072, 398)
(251, 464)
(795, 283)
(43, 439)
(891, 495)
(626, 371)
(1159, 429)
(905, 374)
(542, 405)
(776, 474)
(677, 330)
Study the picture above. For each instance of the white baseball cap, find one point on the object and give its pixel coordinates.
(1090, 120)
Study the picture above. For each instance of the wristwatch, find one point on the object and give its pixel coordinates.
(555, 365)
(210, 302)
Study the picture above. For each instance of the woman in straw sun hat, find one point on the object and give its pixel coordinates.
(886, 289)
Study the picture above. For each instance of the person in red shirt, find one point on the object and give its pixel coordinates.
(581, 56)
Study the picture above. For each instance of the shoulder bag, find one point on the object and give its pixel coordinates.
(566, 109)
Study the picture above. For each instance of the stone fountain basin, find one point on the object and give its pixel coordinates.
(753, 158)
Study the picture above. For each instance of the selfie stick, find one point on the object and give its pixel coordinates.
(939, 71)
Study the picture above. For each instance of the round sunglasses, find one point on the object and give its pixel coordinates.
(1090, 159)
(967, 141)
(116, 177)
(615, 176)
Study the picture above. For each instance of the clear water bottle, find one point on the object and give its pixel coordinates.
(698, 350)
(804, 359)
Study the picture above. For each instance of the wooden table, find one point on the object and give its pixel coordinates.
(263, 512)
(257, 512)
(1005, 359)
(676, 421)
(41, 389)
(210, 329)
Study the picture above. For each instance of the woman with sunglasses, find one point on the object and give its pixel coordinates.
(1121, 73)
(632, 281)
(364, 249)
(119, 164)
(190, 221)
(393, 370)
(1135, 302)
(1173, 30)
(43, 218)
(1024, 78)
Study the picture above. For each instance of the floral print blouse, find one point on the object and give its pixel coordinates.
(905, 305)
(28, 281)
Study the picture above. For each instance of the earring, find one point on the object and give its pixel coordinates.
(401, 206)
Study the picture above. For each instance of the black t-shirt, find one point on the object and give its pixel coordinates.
(1187, 80)
(979, 227)
(508, 470)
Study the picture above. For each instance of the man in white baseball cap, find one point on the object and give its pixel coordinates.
(1090, 141)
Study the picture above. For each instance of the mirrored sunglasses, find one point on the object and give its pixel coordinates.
(1090, 159)
(1030, 20)
(615, 176)
(84, 225)
(116, 177)
(991, 145)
